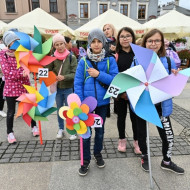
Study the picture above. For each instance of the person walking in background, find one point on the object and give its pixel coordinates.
(171, 53)
(90, 80)
(64, 67)
(14, 81)
(154, 40)
(124, 57)
(110, 47)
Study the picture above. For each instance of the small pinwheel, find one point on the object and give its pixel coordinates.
(148, 84)
(36, 105)
(78, 115)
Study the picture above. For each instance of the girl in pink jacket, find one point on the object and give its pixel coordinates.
(14, 80)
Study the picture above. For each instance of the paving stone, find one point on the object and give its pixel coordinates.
(34, 159)
(57, 154)
(19, 150)
(36, 154)
(45, 159)
(5, 160)
(46, 153)
(157, 153)
(64, 153)
(2, 151)
(17, 155)
(49, 146)
(64, 158)
(38, 150)
(7, 156)
(22, 146)
(29, 150)
(32, 146)
(27, 155)
(48, 149)
(121, 155)
(15, 160)
(110, 151)
(9, 151)
(75, 157)
(25, 160)
(23, 143)
(74, 153)
(74, 148)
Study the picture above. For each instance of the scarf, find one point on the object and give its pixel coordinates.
(61, 56)
(10, 53)
(110, 39)
(95, 57)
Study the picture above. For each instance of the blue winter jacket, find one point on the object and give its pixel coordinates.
(167, 105)
(85, 85)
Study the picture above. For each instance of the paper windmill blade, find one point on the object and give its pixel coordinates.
(35, 105)
(148, 84)
(78, 115)
(30, 53)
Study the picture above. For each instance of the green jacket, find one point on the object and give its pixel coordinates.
(68, 71)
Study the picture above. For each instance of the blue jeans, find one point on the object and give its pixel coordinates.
(61, 99)
(99, 135)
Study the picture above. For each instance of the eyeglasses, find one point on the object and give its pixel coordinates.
(125, 37)
(155, 41)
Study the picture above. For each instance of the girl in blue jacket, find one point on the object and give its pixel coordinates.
(93, 75)
(154, 40)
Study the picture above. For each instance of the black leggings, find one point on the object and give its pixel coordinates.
(2, 83)
(11, 104)
(166, 134)
(121, 117)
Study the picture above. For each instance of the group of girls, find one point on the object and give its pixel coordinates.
(103, 47)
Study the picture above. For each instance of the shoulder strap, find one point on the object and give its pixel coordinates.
(70, 58)
(169, 65)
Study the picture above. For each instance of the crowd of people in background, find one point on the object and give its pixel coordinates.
(88, 72)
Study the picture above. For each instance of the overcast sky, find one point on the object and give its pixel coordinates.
(182, 3)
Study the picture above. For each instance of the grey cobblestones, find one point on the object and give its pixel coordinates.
(64, 150)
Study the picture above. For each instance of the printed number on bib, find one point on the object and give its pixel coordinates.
(43, 72)
(97, 122)
(113, 91)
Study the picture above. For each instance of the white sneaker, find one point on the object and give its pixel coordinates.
(11, 138)
(35, 131)
(73, 137)
(3, 114)
(59, 134)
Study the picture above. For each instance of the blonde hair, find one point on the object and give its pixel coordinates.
(139, 41)
(113, 29)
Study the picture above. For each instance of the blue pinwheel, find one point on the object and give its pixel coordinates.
(148, 84)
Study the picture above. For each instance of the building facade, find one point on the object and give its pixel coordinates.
(12, 9)
(80, 12)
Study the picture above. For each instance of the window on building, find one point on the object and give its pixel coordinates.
(141, 12)
(53, 6)
(83, 10)
(124, 9)
(103, 8)
(10, 5)
(35, 4)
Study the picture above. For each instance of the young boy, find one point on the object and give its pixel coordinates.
(93, 74)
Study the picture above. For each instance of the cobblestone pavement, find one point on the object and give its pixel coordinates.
(56, 150)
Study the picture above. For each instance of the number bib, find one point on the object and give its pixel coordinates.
(97, 122)
(43, 72)
(113, 91)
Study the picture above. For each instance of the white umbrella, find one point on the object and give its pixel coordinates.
(45, 23)
(173, 24)
(2, 24)
(110, 16)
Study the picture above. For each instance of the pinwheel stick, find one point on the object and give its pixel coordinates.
(39, 122)
(81, 151)
(149, 162)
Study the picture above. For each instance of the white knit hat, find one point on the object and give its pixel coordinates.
(9, 37)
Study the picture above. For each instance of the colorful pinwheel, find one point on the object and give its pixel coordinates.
(79, 118)
(78, 115)
(31, 54)
(148, 84)
(36, 105)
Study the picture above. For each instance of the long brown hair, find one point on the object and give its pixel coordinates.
(127, 29)
(162, 51)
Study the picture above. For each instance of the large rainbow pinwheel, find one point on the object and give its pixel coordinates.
(78, 115)
(36, 105)
(30, 53)
(148, 84)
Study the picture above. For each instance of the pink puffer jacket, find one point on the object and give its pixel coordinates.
(14, 79)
